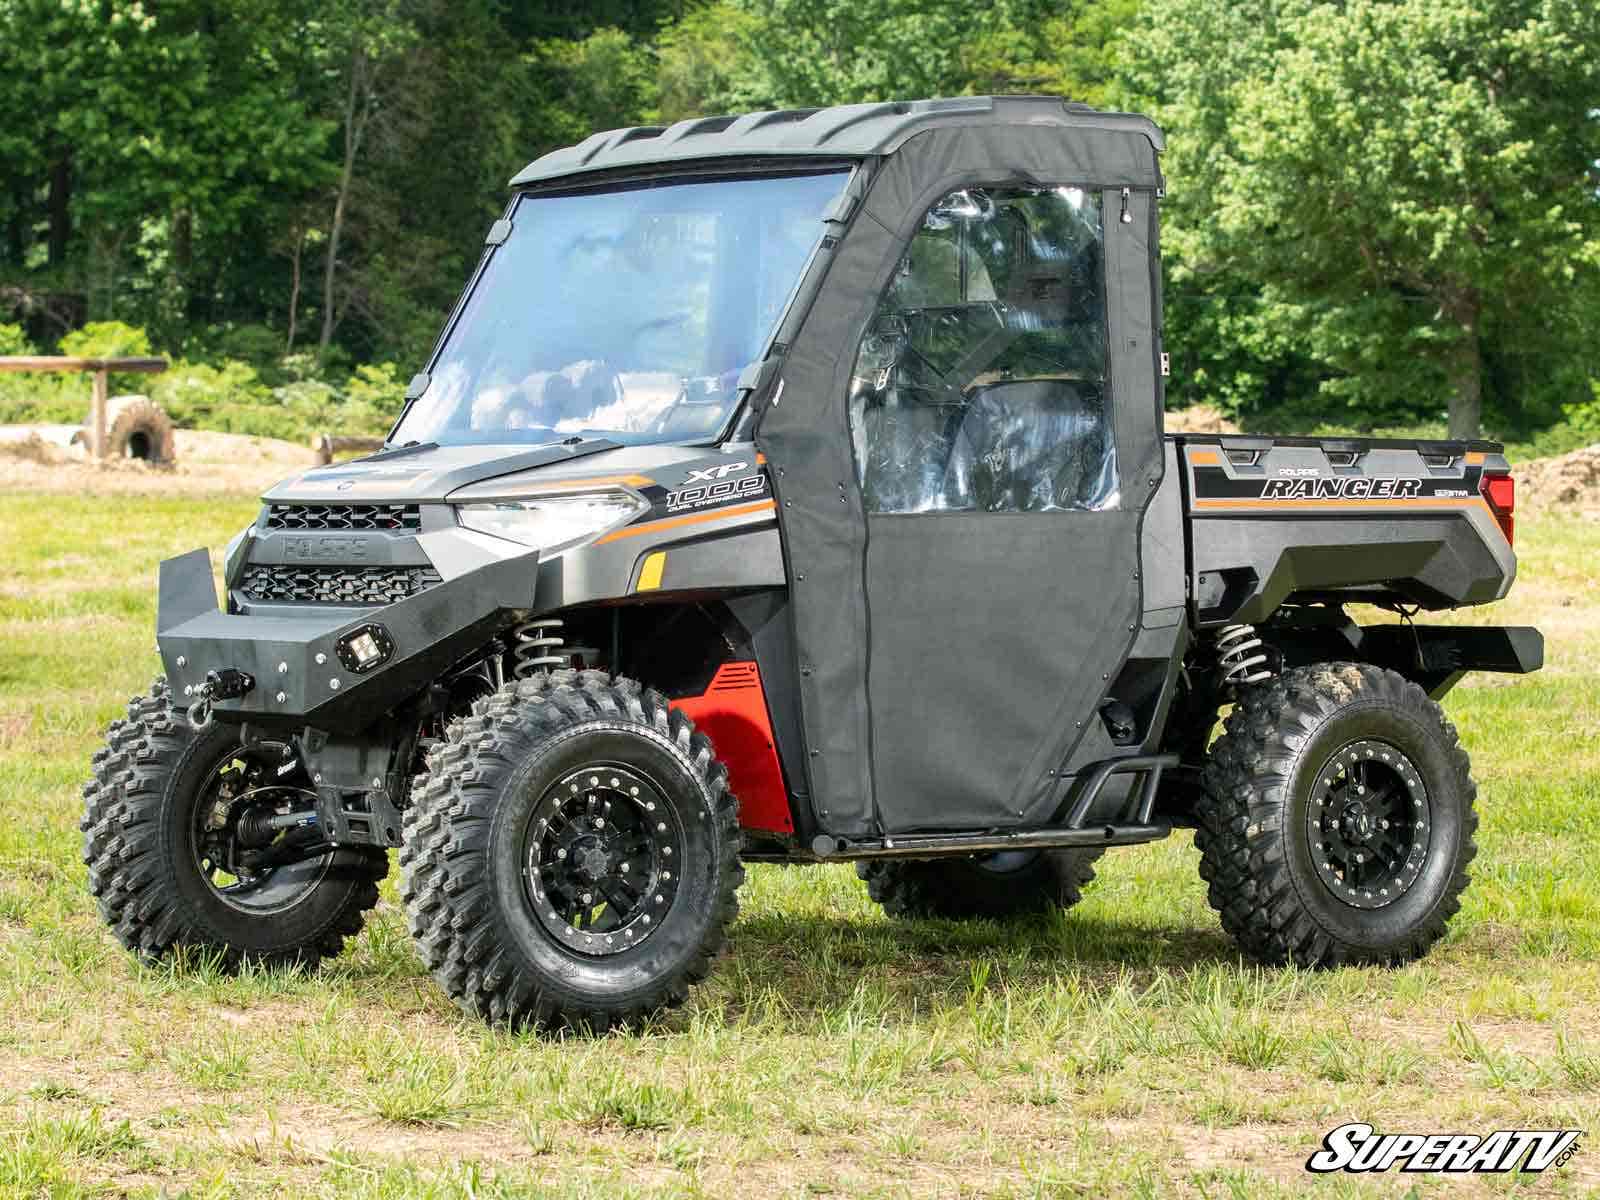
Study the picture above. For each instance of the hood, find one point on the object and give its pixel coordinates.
(423, 473)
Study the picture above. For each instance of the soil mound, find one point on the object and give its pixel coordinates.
(1569, 482)
(1198, 418)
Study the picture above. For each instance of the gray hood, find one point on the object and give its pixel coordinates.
(424, 473)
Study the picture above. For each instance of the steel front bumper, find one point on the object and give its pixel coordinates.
(303, 665)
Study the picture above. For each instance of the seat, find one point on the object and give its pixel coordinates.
(903, 445)
(1032, 446)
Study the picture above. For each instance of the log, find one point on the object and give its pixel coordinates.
(58, 362)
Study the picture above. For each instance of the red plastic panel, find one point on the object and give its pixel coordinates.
(732, 712)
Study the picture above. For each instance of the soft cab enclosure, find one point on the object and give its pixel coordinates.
(945, 672)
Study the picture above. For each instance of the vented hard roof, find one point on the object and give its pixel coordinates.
(847, 131)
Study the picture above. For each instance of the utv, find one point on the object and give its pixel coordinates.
(791, 487)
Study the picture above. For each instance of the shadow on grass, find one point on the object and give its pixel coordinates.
(813, 956)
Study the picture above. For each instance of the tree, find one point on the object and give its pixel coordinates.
(744, 54)
(363, 39)
(1408, 184)
(603, 81)
(142, 140)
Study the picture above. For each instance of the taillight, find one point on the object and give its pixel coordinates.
(1500, 493)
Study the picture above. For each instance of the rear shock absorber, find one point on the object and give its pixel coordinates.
(538, 647)
(1242, 656)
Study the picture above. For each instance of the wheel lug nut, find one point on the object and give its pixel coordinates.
(561, 853)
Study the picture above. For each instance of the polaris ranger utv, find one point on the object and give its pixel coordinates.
(792, 488)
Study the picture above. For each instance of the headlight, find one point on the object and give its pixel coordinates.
(553, 522)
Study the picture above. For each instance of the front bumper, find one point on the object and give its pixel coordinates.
(295, 658)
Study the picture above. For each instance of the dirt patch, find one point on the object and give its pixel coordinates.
(206, 462)
(1566, 483)
(1198, 418)
(13, 727)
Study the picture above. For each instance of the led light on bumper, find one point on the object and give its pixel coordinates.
(362, 649)
(553, 522)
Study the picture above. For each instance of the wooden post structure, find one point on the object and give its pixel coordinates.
(97, 415)
(326, 446)
(102, 369)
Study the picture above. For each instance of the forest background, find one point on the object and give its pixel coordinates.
(1382, 215)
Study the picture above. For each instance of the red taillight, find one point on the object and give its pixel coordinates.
(1500, 492)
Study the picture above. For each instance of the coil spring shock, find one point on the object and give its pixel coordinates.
(1241, 655)
(538, 647)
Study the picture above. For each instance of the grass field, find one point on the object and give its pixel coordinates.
(1121, 1049)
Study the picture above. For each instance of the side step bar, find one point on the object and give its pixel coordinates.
(1135, 827)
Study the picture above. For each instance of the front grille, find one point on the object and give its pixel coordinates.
(355, 518)
(335, 585)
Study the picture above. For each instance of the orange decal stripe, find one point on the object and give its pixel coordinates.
(630, 480)
(1289, 505)
(716, 514)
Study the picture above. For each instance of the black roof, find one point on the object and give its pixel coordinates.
(847, 131)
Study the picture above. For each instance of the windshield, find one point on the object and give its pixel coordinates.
(627, 314)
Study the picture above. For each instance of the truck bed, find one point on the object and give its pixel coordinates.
(1273, 520)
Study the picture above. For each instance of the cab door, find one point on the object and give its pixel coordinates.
(1000, 561)
(964, 567)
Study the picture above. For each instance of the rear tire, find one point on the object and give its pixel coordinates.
(141, 804)
(1337, 822)
(994, 886)
(571, 856)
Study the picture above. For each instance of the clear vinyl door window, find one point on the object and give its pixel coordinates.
(980, 385)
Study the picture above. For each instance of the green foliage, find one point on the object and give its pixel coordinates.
(252, 342)
(1584, 416)
(605, 80)
(226, 394)
(1404, 187)
(233, 399)
(377, 387)
(698, 59)
(743, 54)
(13, 340)
(106, 339)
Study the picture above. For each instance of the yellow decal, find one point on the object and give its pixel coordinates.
(650, 573)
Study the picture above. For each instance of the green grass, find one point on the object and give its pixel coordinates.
(1121, 1049)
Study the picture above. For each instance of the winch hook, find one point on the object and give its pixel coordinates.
(226, 684)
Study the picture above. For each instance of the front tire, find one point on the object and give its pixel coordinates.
(1337, 821)
(146, 818)
(996, 886)
(571, 856)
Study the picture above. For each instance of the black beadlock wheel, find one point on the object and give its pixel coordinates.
(160, 810)
(996, 886)
(571, 855)
(1337, 821)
